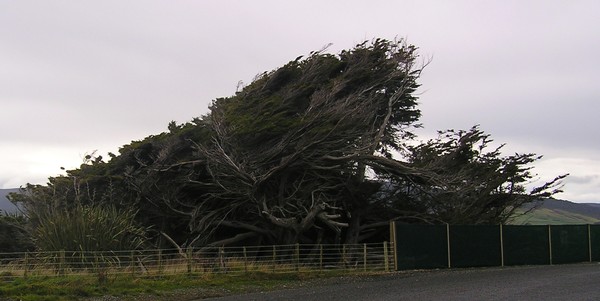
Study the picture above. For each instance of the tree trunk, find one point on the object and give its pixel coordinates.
(353, 231)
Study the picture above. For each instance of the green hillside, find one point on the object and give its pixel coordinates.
(546, 216)
(558, 212)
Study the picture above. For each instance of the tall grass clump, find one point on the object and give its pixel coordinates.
(86, 237)
(87, 228)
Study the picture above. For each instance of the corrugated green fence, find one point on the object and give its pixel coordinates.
(450, 246)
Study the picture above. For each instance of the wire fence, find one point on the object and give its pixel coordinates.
(372, 257)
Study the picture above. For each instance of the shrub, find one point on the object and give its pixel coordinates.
(13, 235)
(89, 228)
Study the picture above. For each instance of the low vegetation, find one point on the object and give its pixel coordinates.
(86, 228)
(168, 287)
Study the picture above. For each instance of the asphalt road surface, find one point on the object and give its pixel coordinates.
(558, 282)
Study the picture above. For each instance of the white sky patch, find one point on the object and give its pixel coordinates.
(35, 163)
(581, 185)
(77, 76)
(583, 165)
(559, 158)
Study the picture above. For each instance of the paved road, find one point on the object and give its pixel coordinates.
(559, 282)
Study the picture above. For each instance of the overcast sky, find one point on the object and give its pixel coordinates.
(79, 76)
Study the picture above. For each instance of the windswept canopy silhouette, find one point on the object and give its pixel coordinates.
(318, 150)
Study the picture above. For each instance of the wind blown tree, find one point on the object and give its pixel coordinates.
(319, 150)
(290, 152)
(466, 183)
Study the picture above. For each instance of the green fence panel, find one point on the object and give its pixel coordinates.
(525, 245)
(475, 246)
(426, 246)
(569, 243)
(595, 242)
(421, 246)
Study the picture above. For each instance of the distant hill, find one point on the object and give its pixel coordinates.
(593, 204)
(5, 204)
(553, 212)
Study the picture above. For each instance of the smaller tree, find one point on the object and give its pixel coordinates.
(467, 183)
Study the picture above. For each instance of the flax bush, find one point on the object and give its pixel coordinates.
(89, 228)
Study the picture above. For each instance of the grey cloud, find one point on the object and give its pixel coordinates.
(86, 75)
(584, 180)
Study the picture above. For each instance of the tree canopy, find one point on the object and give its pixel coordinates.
(318, 150)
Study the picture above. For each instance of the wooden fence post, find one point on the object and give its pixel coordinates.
(320, 257)
(365, 257)
(550, 242)
(61, 263)
(189, 255)
(385, 256)
(589, 230)
(96, 262)
(26, 268)
(160, 263)
(297, 257)
(222, 258)
(344, 255)
(273, 258)
(132, 260)
(448, 241)
(245, 261)
(501, 246)
(393, 244)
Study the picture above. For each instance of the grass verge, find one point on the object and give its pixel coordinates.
(148, 288)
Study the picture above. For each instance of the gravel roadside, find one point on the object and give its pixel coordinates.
(558, 282)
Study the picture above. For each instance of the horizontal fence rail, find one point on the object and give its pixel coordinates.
(450, 246)
(372, 257)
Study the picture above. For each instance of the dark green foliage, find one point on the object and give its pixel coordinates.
(142, 176)
(319, 150)
(291, 150)
(467, 183)
(13, 234)
(371, 79)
